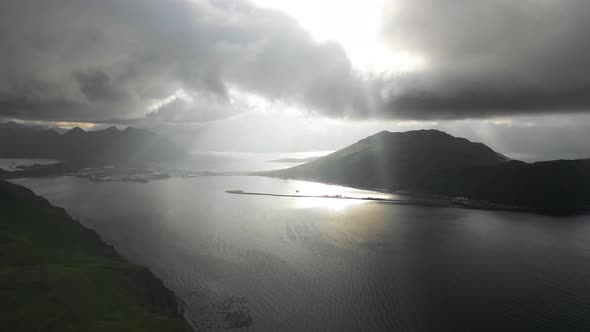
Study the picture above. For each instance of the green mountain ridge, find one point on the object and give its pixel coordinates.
(57, 275)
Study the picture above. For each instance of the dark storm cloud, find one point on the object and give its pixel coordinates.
(96, 85)
(97, 60)
(491, 57)
(111, 59)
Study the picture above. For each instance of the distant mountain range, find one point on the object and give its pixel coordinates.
(433, 162)
(112, 146)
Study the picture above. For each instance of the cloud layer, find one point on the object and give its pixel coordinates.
(112, 60)
(100, 60)
(491, 57)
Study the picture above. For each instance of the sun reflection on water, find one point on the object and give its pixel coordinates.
(333, 204)
(330, 197)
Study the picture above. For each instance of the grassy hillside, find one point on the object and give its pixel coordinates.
(56, 275)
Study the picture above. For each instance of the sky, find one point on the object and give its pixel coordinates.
(279, 75)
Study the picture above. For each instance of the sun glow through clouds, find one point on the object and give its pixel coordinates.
(356, 26)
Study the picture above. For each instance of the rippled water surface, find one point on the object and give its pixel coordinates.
(276, 263)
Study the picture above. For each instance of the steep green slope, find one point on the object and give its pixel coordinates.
(56, 275)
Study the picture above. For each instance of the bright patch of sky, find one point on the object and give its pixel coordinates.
(356, 26)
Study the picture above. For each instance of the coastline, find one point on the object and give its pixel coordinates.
(474, 203)
(440, 201)
(58, 275)
(103, 173)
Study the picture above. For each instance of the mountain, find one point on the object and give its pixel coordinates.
(12, 124)
(59, 130)
(15, 125)
(19, 141)
(396, 161)
(57, 275)
(129, 146)
(436, 163)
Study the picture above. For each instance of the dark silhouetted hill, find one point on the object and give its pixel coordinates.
(433, 162)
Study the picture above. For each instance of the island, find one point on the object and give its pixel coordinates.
(470, 174)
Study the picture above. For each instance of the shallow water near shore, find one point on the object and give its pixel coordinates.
(282, 263)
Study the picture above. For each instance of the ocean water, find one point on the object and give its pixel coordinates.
(240, 161)
(317, 264)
